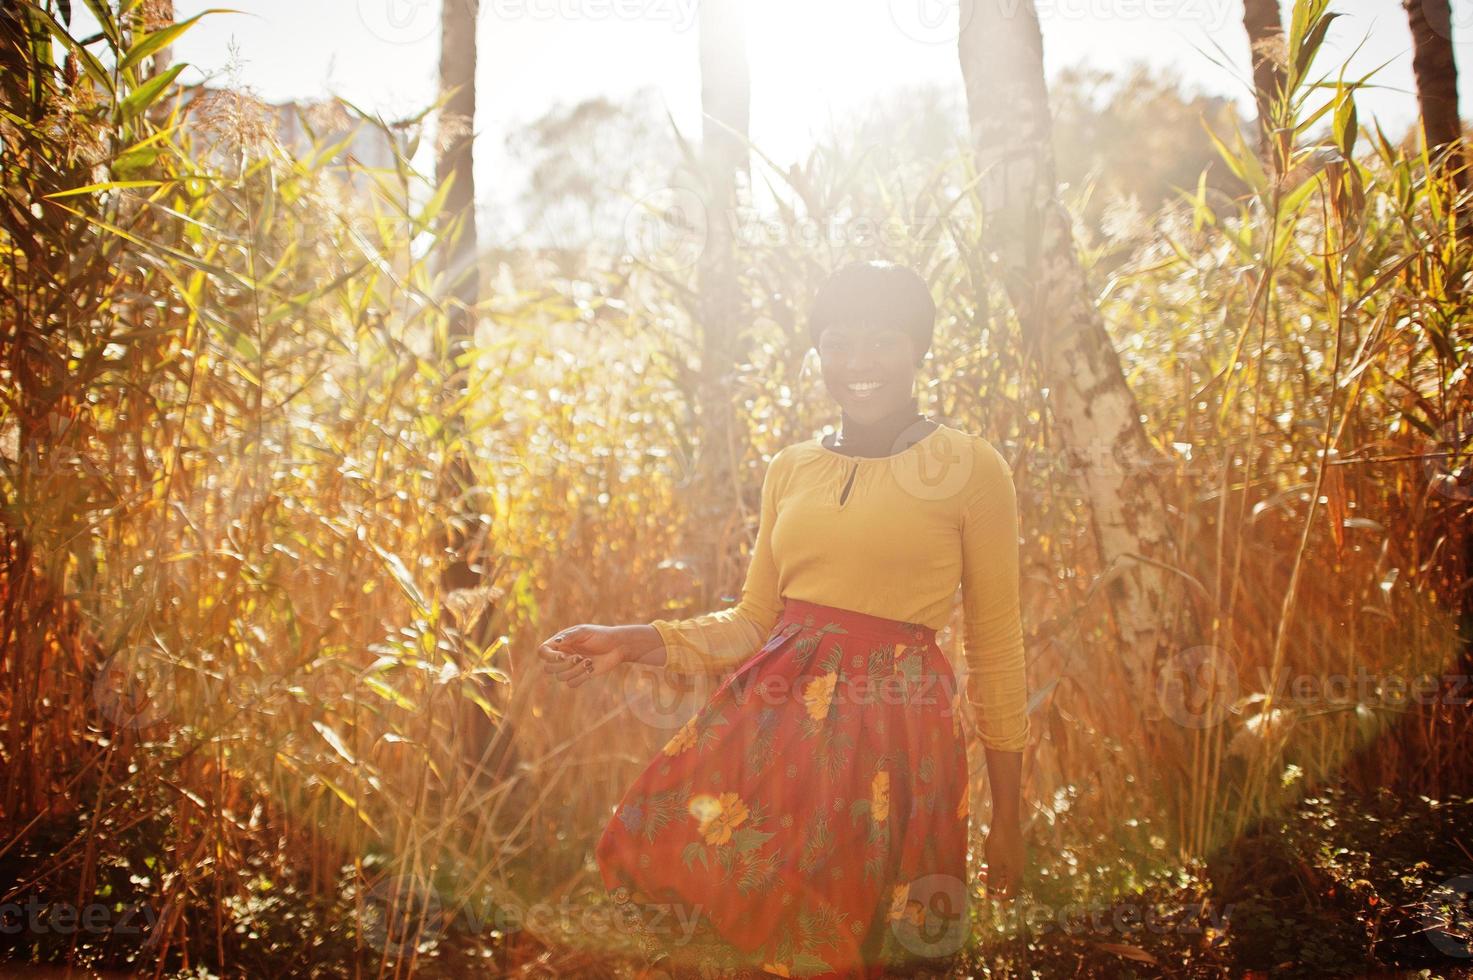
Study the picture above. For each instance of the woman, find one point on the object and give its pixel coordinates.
(812, 815)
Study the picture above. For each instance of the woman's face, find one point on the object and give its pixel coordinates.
(869, 370)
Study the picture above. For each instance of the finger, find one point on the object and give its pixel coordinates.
(561, 645)
(576, 665)
(563, 639)
(566, 671)
(558, 671)
(582, 672)
(551, 655)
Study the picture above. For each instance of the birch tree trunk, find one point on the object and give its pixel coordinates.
(1093, 410)
(1435, 67)
(725, 104)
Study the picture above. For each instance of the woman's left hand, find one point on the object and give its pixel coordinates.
(1005, 856)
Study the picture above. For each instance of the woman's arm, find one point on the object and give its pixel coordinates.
(1003, 850)
(997, 681)
(717, 642)
(644, 646)
(714, 643)
(1005, 775)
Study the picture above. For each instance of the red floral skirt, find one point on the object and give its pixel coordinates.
(811, 818)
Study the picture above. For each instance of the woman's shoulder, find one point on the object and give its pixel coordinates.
(783, 459)
(979, 444)
(986, 464)
(792, 452)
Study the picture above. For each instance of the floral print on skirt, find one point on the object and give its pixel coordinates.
(811, 818)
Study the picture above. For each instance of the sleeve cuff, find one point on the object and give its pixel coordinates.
(671, 649)
(1014, 738)
(1016, 743)
(680, 659)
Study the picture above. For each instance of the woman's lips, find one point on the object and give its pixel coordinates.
(863, 389)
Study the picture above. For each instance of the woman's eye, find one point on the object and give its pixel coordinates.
(883, 345)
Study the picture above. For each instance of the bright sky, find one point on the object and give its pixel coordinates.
(810, 59)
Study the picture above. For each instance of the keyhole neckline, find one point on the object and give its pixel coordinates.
(883, 459)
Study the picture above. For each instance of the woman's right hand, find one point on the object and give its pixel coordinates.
(580, 652)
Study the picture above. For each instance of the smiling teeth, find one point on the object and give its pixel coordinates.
(864, 386)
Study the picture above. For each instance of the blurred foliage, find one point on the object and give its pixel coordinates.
(1346, 882)
(1128, 143)
(233, 691)
(587, 164)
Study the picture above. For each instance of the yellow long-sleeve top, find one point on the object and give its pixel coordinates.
(912, 527)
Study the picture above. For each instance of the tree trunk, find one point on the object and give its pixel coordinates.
(146, 18)
(1265, 46)
(1436, 71)
(458, 22)
(725, 104)
(1094, 411)
(492, 743)
(163, 13)
(454, 162)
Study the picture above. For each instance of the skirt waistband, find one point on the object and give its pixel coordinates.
(815, 615)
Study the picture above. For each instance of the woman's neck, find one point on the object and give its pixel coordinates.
(882, 437)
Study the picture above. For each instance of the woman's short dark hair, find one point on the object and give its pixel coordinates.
(876, 292)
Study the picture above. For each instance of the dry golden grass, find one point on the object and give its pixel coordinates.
(233, 689)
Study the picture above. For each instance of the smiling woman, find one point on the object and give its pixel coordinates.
(872, 323)
(820, 827)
